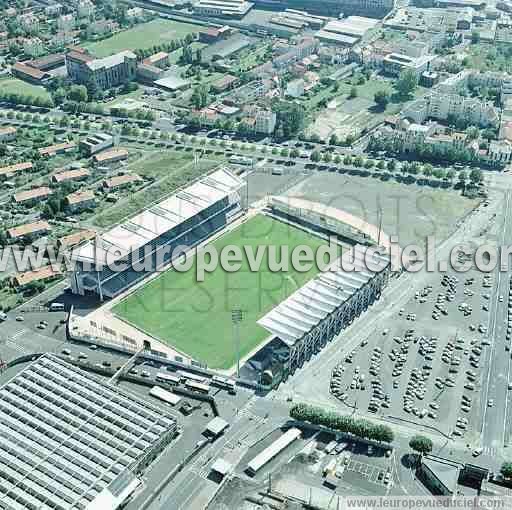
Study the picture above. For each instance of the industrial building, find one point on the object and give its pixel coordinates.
(346, 31)
(377, 8)
(71, 441)
(185, 219)
(222, 8)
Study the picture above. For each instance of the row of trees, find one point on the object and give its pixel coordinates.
(166, 47)
(423, 151)
(362, 428)
(25, 99)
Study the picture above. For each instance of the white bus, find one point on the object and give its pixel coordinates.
(188, 376)
(57, 307)
(240, 160)
(196, 386)
(167, 379)
(224, 383)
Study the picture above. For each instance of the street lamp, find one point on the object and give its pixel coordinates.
(237, 317)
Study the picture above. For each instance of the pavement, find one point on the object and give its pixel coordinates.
(311, 383)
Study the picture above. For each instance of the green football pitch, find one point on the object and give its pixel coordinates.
(195, 317)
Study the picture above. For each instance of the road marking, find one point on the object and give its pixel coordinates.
(493, 335)
(19, 333)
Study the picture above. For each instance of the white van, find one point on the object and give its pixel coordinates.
(57, 307)
(3, 316)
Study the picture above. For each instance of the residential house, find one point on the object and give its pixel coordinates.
(32, 196)
(102, 27)
(78, 174)
(7, 134)
(66, 23)
(7, 171)
(33, 46)
(28, 231)
(60, 148)
(45, 273)
(72, 240)
(85, 9)
(80, 200)
(109, 157)
(295, 88)
(120, 181)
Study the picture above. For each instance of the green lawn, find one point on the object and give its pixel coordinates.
(143, 36)
(196, 317)
(16, 86)
(169, 169)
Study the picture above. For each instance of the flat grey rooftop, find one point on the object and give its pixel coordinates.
(68, 440)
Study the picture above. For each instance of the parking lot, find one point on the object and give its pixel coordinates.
(341, 465)
(427, 366)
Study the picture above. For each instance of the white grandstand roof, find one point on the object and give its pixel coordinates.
(312, 303)
(70, 441)
(159, 218)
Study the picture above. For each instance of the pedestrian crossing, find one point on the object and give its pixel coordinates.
(16, 347)
(491, 451)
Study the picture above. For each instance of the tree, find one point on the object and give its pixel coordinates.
(353, 93)
(342, 423)
(358, 161)
(391, 165)
(475, 37)
(347, 160)
(472, 133)
(78, 93)
(327, 157)
(334, 140)
(421, 444)
(316, 156)
(407, 83)
(337, 159)
(382, 98)
(506, 469)
(476, 176)
(290, 117)
(428, 170)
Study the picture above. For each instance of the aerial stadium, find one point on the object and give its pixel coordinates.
(285, 316)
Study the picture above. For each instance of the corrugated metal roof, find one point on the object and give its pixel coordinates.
(312, 303)
(160, 218)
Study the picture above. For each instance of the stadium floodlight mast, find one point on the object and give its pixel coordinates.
(237, 317)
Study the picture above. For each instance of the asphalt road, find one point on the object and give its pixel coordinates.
(311, 383)
(494, 421)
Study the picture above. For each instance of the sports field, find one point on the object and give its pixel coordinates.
(196, 317)
(17, 86)
(143, 36)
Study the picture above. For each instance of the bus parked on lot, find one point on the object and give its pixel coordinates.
(196, 386)
(224, 383)
(188, 376)
(168, 379)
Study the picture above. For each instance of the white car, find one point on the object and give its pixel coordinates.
(490, 403)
